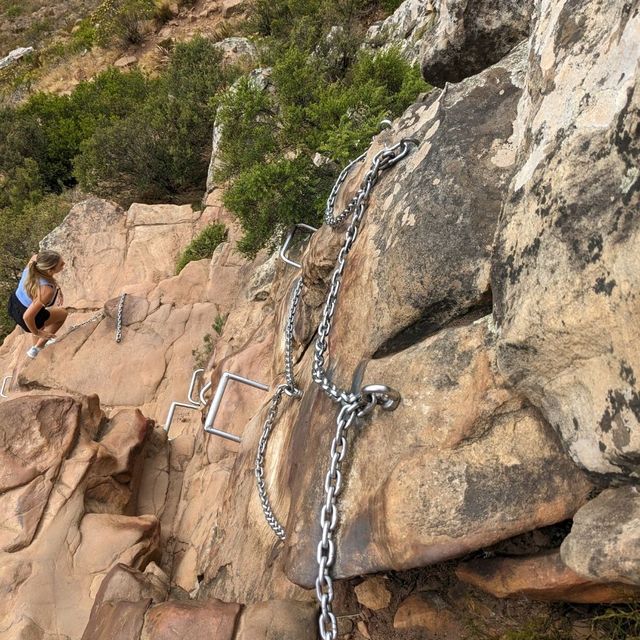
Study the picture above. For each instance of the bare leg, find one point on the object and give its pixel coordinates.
(57, 318)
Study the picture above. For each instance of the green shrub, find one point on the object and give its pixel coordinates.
(159, 151)
(122, 21)
(203, 245)
(311, 113)
(267, 198)
(247, 115)
(49, 129)
(83, 38)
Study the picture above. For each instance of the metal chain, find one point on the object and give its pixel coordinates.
(289, 389)
(97, 316)
(383, 160)
(354, 405)
(119, 319)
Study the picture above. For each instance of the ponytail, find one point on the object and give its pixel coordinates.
(38, 270)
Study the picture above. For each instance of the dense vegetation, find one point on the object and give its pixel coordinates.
(129, 136)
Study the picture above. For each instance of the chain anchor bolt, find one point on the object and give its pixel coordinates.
(378, 394)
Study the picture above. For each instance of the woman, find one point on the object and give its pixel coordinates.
(31, 305)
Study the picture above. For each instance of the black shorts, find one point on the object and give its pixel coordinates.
(16, 310)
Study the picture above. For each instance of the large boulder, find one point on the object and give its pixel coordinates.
(566, 270)
(541, 577)
(604, 543)
(165, 318)
(427, 482)
(106, 248)
(466, 36)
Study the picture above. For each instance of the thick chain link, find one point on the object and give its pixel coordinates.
(289, 389)
(119, 319)
(354, 405)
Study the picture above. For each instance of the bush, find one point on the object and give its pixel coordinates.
(83, 38)
(247, 115)
(163, 13)
(122, 21)
(203, 245)
(313, 114)
(160, 150)
(49, 129)
(267, 198)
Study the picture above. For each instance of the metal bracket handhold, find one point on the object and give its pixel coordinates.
(217, 398)
(3, 392)
(192, 386)
(289, 238)
(172, 410)
(203, 392)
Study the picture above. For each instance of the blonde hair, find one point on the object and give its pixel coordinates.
(38, 270)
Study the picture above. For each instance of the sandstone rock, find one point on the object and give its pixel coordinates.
(373, 593)
(436, 489)
(604, 543)
(163, 326)
(565, 267)
(277, 620)
(405, 29)
(541, 577)
(137, 247)
(428, 611)
(466, 36)
(120, 619)
(195, 620)
(51, 581)
(121, 603)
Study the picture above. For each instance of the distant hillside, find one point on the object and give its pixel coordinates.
(32, 22)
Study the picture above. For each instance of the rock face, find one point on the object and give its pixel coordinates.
(164, 316)
(565, 273)
(139, 246)
(64, 511)
(436, 490)
(541, 577)
(604, 543)
(491, 285)
(466, 36)
(130, 605)
(405, 29)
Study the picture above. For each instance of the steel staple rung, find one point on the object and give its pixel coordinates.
(217, 399)
(172, 410)
(287, 242)
(3, 392)
(192, 386)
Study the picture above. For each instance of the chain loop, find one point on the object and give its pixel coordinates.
(290, 390)
(119, 319)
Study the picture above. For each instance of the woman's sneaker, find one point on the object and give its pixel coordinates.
(33, 352)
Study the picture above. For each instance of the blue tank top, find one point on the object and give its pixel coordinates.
(21, 292)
